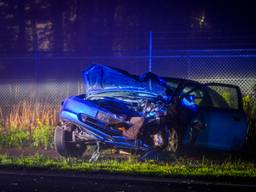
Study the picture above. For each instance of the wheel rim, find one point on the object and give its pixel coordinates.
(64, 144)
(173, 141)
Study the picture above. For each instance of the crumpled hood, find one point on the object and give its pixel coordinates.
(100, 78)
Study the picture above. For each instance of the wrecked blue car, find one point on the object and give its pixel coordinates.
(141, 113)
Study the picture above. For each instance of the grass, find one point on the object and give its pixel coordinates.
(133, 167)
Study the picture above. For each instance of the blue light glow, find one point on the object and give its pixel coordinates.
(189, 102)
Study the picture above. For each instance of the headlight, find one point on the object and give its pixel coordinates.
(107, 118)
(104, 117)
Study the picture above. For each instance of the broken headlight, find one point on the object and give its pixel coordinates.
(104, 117)
(107, 118)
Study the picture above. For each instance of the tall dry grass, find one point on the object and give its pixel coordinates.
(28, 114)
(1, 118)
(29, 122)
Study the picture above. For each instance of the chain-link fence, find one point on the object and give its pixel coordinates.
(236, 67)
(52, 78)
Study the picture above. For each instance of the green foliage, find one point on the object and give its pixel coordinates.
(229, 98)
(131, 166)
(250, 109)
(14, 137)
(42, 135)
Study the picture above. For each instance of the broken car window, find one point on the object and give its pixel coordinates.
(224, 97)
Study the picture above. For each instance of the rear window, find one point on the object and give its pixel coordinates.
(224, 97)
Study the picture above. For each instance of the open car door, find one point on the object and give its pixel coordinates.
(226, 124)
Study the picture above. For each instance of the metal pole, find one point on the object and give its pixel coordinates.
(150, 52)
(150, 57)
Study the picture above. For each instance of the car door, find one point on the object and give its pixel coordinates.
(194, 99)
(225, 120)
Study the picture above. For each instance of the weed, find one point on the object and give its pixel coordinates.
(42, 135)
(250, 110)
(14, 137)
(29, 122)
(25, 114)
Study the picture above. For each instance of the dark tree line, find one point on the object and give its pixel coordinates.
(100, 27)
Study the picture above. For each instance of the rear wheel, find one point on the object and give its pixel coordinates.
(64, 143)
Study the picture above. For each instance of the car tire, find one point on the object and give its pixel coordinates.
(174, 142)
(63, 142)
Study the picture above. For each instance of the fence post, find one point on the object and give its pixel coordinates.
(150, 57)
(150, 52)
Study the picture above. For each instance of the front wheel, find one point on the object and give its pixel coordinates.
(64, 143)
(174, 141)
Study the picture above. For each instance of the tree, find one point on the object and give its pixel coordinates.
(57, 20)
